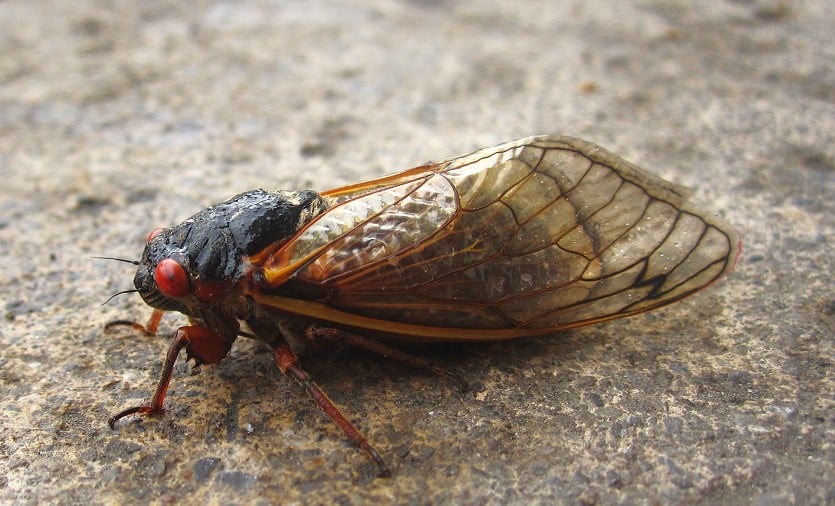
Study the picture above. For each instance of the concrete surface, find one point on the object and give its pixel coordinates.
(119, 117)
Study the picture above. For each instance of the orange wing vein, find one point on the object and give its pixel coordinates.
(525, 238)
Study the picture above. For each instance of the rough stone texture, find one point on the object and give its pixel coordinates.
(118, 117)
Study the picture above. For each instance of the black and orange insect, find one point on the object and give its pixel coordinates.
(526, 238)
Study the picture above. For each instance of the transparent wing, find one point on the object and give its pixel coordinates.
(527, 237)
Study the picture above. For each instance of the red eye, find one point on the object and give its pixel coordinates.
(153, 233)
(171, 278)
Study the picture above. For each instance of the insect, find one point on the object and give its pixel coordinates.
(525, 238)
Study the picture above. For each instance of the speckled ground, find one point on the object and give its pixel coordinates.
(118, 117)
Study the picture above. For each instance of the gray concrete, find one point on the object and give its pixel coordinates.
(118, 117)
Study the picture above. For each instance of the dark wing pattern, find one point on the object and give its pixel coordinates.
(524, 238)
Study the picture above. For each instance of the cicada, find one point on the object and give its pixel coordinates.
(526, 238)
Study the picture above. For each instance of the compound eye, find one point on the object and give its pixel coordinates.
(171, 279)
(153, 233)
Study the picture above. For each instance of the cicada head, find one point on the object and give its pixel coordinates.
(199, 263)
(162, 278)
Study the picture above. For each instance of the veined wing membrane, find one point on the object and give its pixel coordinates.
(524, 238)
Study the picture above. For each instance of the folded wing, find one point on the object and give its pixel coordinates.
(528, 237)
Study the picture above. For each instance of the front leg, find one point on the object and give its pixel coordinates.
(201, 343)
(149, 329)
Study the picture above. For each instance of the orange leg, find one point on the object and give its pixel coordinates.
(318, 334)
(150, 329)
(201, 343)
(288, 364)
